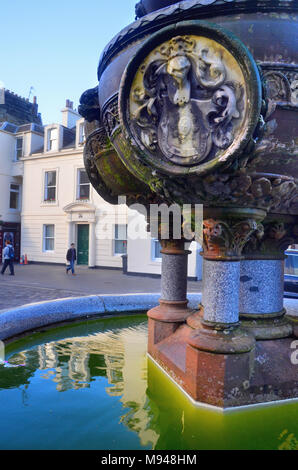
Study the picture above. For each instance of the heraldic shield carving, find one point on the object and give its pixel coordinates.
(192, 100)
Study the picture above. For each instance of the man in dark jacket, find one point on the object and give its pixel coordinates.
(71, 256)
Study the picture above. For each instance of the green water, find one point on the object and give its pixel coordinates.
(91, 386)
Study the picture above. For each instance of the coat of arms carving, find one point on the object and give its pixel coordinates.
(187, 100)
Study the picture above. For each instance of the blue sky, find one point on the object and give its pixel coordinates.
(55, 45)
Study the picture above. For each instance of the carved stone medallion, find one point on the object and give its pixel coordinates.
(188, 102)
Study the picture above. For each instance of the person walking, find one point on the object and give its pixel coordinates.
(71, 256)
(8, 255)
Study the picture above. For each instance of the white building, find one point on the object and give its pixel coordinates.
(44, 189)
(21, 133)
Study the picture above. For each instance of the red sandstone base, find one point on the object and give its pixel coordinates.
(262, 375)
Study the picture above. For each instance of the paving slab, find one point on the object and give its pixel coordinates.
(36, 283)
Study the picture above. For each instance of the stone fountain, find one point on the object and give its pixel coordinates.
(197, 103)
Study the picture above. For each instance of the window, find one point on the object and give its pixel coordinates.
(120, 239)
(81, 133)
(48, 237)
(83, 190)
(156, 247)
(14, 196)
(52, 139)
(19, 148)
(50, 186)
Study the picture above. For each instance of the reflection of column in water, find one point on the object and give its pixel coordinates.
(135, 385)
(48, 356)
(62, 379)
(2, 352)
(167, 417)
(79, 369)
(126, 370)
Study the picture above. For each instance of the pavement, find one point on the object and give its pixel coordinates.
(38, 283)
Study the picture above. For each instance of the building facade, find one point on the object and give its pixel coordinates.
(60, 207)
(47, 202)
(21, 132)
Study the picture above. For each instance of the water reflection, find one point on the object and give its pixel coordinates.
(75, 363)
(89, 360)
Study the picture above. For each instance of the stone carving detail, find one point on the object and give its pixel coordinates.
(239, 189)
(89, 105)
(278, 86)
(272, 238)
(293, 80)
(110, 115)
(140, 10)
(282, 84)
(186, 107)
(225, 239)
(97, 142)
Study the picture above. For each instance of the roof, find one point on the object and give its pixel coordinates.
(14, 129)
(18, 110)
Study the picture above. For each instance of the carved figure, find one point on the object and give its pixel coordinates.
(186, 105)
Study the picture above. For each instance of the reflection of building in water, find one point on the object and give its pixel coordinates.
(48, 356)
(120, 357)
(73, 374)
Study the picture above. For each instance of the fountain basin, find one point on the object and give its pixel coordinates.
(89, 386)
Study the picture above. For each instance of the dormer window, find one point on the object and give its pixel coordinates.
(52, 139)
(81, 133)
(19, 148)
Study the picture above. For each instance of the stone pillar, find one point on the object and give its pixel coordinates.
(220, 299)
(226, 232)
(261, 286)
(92, 243)
(262, 279)
(173, 301)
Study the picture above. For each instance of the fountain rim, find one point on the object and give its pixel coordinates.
(30, 317)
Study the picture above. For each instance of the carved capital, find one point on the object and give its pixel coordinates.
(225, 239)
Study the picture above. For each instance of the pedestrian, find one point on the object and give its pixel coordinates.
(71, 257)
(8, 255)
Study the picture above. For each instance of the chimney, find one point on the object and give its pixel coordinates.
(69, 115)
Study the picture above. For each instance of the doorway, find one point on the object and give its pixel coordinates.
(83, 244)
